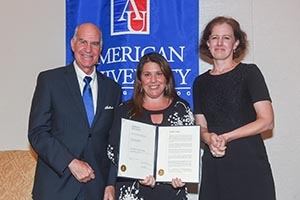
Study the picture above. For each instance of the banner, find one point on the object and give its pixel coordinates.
(132, 28)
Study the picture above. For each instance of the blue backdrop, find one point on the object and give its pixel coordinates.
(132, 28)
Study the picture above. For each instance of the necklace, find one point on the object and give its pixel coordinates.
(218, 71)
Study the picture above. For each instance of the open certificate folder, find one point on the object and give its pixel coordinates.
(165, 152)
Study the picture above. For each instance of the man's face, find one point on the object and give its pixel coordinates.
(86, 46)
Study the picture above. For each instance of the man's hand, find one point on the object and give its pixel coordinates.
(81, 170)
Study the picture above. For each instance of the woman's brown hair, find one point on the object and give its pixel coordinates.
(138, 94)
(239, 34)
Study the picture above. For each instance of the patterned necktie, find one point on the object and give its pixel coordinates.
(88, 99)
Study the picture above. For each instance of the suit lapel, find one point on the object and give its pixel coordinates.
(73, 85)
(101, 94)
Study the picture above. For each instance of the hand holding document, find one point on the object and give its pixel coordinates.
(165, 152)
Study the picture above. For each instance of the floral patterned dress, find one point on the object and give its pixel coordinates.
(177, 114)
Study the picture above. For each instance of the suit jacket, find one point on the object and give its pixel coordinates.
(59, 132)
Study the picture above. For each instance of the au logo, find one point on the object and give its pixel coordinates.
(130, 17)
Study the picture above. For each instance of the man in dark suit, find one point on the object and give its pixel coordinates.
(72, 160)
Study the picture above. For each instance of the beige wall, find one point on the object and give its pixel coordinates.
(33, 39)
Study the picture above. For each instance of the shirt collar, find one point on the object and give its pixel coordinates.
(81, 74)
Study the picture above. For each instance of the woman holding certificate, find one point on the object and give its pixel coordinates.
(154, 102)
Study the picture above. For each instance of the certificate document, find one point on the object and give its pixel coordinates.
(165, 152)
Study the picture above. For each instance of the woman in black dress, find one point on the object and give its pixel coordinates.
(233, 106)
(156, 102)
